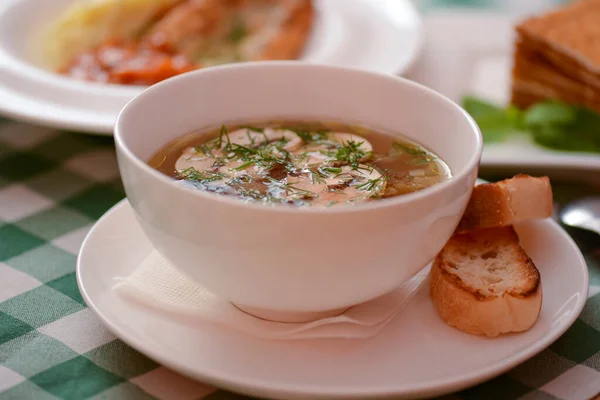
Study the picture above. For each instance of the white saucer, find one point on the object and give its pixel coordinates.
(378, 35)
(415, 355)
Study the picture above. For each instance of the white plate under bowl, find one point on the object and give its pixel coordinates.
(378, 35)
(416, 355)
(471, 53)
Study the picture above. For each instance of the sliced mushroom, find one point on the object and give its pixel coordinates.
(192, 158)
(349, 185)
(344, 138)
(252, 138)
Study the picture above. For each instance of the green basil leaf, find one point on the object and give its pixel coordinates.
(549, 113)
(496, 123)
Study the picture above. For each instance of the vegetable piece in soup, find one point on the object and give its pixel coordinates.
(300, 164)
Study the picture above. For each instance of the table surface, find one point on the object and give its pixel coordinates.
(53, 187)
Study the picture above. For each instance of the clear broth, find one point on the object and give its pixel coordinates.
(394, 167)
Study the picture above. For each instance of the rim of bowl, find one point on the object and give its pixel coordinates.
(472, 163)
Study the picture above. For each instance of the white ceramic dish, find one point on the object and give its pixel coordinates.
(344, 35)
(416, 355)
(265, 259)
(471, 53)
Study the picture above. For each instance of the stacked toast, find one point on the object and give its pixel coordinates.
(557, 56)
(483, 282)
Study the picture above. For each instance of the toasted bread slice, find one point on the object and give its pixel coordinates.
(484, 283)
(507, 202)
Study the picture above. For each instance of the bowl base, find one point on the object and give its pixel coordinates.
(289, 316)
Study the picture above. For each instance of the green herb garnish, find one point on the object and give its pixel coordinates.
(331, 170)
(316, 176)
(238, 31)
(192, 174)
(311, 136)
(306, 136)
(496, 123)
(255, 129)
(351, 153)
(552, 124)
(223, 133)
(292, 190)
(401, 148)
(422, 157)
(204, 149)
(243, 166)
(370, 185)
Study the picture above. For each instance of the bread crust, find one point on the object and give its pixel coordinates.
(557, 57)
(507, 202)
(467, 308)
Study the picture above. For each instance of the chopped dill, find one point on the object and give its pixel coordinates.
(272, 173)
(316, 176)
(250, 193)
(241, 179)
(204, 149)
(223, 132)
(422, 157)
(251, 138)
(293, 190)
(401, 148)
(306, 136)
(255, 129)
(219, 162)
(311, 136)
(351, 153)
(239, 152)
(331, 170)
(192, 174)
(283, 141)
(243, 166)
(370, 185)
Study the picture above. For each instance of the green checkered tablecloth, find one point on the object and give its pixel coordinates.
(55, 185)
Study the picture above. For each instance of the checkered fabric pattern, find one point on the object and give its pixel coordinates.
(55, 185)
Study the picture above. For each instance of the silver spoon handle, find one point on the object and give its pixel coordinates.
(592, 225)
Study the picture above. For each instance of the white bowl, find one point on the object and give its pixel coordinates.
(295, 263)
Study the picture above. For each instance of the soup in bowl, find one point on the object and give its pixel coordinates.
(300, 164)
(296, 190)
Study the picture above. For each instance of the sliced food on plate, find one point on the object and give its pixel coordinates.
(555, 91)
(483, 282)
(142, 42)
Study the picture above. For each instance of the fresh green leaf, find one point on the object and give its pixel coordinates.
(552, 124)
(496, 123)
(481, 109)
(549, 113)
(581, 133)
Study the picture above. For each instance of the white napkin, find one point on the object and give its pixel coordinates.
(158, 285)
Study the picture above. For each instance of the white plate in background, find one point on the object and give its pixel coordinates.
(471, 53)
(378, 35)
